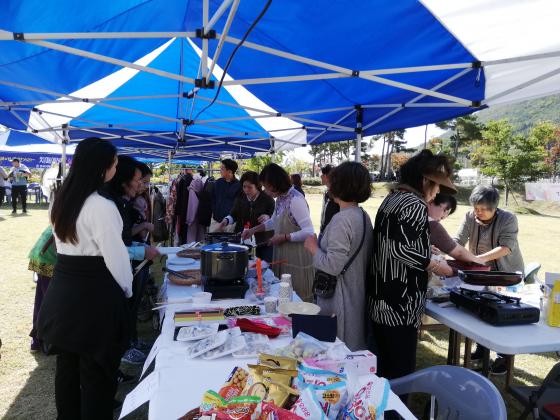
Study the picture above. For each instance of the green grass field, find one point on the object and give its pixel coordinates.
(26, 379)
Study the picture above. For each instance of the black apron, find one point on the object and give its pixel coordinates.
(85, 311)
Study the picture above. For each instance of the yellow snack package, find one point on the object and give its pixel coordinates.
(279, 393)
(278, 362)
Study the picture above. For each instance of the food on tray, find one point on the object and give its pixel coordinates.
(235, 383)
(255, 344)
(276, 361)
(231, 345)
(207, 344)
(196, 332)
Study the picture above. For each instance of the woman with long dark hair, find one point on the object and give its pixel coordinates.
(84, 318)
(122, 189)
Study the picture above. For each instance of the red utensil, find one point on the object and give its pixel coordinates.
(247, 325)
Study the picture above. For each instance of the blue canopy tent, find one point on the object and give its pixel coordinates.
(326, 71)
(35, 152)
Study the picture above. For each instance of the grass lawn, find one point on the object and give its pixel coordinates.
(26, 379)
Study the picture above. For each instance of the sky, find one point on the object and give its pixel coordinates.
(413, 137)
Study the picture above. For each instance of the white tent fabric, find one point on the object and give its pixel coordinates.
(495, 30)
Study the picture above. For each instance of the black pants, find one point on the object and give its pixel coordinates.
(138, 288)
(84, 389)
(21, 191)
(2, 195)
(395, 348)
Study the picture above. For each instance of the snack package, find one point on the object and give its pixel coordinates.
(318, 377)
(199, 332)
(307, 406)
(277, 361)
(364, 361)
(279, 394)
(269, 411)
(332, 398)
(210, 401)
(302, 347)
(369, 402)
(235, 383)
(238, 408)
(258, 373)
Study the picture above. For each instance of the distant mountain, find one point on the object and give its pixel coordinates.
(524, 115)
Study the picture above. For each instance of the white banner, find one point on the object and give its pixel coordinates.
(542, 191)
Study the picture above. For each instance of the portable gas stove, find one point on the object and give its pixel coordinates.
(495, 308)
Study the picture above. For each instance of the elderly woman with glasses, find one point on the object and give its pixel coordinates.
(491, 232)
(492, 236)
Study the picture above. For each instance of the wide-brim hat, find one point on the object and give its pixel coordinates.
(445, 184)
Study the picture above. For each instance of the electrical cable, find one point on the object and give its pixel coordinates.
(259, 17)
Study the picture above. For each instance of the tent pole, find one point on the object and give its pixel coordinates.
(169, 165)
(359, 121)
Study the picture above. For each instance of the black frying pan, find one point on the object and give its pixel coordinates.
(490, 278)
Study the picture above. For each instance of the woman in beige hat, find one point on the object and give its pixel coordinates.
(402, 260)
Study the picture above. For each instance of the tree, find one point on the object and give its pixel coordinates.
(512, 158)
(398, 159)
(547, 134)
(393, 141)
(257, 163)
(466, 129)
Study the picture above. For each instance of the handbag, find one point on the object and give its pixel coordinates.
(324, 284)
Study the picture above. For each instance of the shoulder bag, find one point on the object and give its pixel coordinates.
(324, 284)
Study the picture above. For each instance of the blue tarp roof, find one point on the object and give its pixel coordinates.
(356, 51)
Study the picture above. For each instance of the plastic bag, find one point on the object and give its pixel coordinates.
(302, 347)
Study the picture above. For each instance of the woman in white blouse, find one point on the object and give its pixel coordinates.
(84, 317)
(292, 225)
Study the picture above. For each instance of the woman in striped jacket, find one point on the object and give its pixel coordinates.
(401, 262)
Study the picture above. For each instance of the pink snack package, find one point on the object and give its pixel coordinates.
(364, 363)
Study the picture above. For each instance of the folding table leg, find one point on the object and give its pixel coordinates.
(450, 348)
(485, 362)
(457, 349)
(467, 358)
(510, 359)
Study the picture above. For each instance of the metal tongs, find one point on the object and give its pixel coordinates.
(176, 273)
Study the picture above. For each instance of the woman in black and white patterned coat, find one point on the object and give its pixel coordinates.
(401, 262)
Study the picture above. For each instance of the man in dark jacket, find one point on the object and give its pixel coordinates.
(225, 191)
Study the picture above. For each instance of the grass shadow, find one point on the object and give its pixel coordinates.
(37, 395)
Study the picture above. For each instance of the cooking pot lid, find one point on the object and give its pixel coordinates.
(224, 247)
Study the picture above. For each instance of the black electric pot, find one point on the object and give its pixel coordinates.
(224, 261)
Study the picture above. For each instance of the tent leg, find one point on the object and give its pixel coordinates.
(169, 166)
(359, 120)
